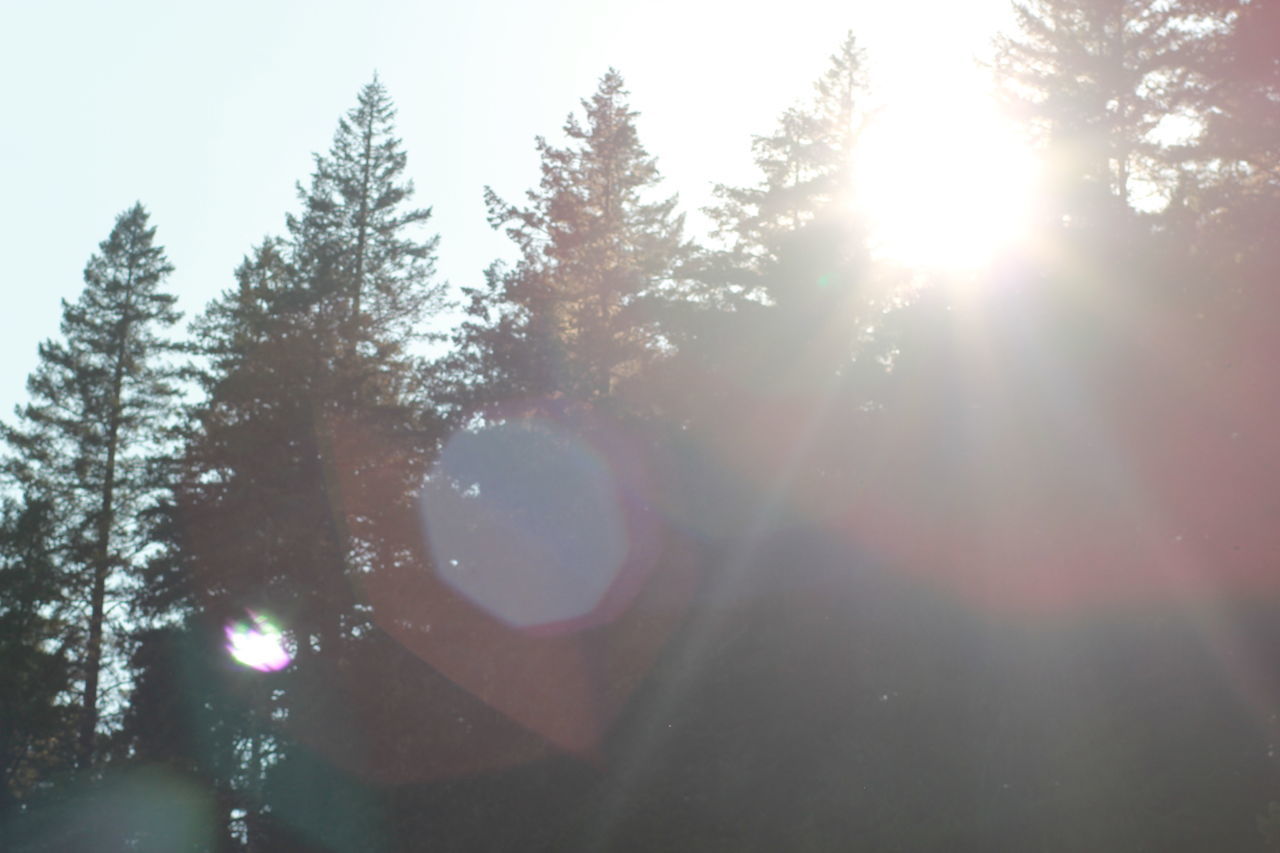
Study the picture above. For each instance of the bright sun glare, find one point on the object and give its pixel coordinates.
(943, 180)
(944, 186)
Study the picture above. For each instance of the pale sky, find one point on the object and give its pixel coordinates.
(209, 113)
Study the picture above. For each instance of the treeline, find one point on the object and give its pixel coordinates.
(746, 542)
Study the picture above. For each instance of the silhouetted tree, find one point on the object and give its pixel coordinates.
(319, 333)
(578, 313)
(1102, 84)
(36, 731)
(357, 243)
(766, 354)
(1230, 173)
(1242, 70)
(314, 406)
(791, 281)
(805, 194)
(89, 441)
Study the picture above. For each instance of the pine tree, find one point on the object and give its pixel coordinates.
(806, 179)
(795, 251)
(1232, 177)
(577, 315)
(89, 441)
(312, 347)
(1095, 79)
(766, 353)
(1243, 70)
(317, 336)
(355, 243)
(36, 727)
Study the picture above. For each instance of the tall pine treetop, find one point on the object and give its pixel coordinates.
(105, 368)
(357, 242)
(598, 182)
(806, 168)
(598, 256)
(315, 337)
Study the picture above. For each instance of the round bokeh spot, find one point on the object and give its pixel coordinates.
(524, 521)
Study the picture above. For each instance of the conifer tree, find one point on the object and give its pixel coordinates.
(766, 353)
(1232, 179)
(89, 441)
(1095, 79)
(356, 243)
(315, 343)
(578, 313)
(36, 730)
(806, 179)
(793, 243)
(1242, 70)
(317, 334)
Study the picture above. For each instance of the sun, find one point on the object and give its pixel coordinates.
(944, 183)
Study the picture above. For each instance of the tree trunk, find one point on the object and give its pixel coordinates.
(102, 558)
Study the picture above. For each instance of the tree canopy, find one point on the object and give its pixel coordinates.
(747, 539)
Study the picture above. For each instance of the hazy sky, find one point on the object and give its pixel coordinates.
(209, 113)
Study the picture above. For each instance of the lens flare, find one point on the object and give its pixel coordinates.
(257, 643)
(525, 522)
